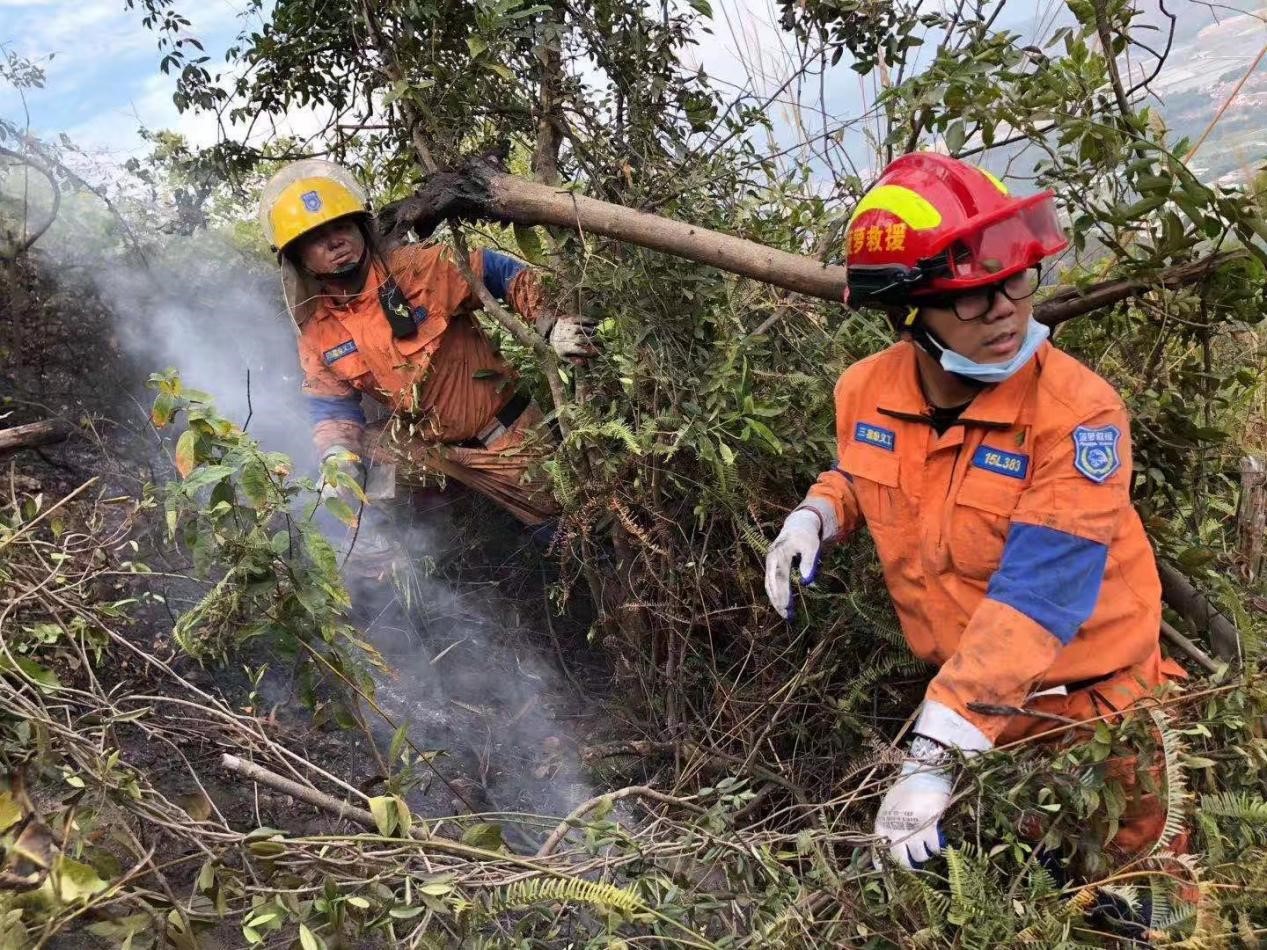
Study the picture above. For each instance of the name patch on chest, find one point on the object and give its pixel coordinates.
(1011, 464)
(874, 435)
(346, 348)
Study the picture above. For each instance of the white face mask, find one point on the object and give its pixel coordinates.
(987, 373)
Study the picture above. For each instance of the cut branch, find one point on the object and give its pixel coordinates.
(478, 190)
(31, 435)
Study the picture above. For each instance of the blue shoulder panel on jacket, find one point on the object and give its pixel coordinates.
(1051, 577)
(499, 270)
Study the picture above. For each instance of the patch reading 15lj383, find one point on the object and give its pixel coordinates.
(1011, 464)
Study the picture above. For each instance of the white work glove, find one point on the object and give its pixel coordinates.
(910, 815)
(801, 537)
(572, 337)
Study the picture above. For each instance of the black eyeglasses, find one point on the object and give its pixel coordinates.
(974, 304)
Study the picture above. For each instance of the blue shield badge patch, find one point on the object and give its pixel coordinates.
(1096, 452)
(311, 200)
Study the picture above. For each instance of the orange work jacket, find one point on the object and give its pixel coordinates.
(1009, 544)
(447, 375)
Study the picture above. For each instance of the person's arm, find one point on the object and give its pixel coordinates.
(519, 285)
(832, 497)
(334, 406)
(1047, 583)
(828, 512)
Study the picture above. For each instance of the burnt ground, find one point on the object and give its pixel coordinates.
(504, 690)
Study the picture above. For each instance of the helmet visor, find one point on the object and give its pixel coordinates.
(994, 250)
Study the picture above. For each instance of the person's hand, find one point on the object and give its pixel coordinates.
(573, 337)
(910, 814)
(909, 818)
(801, 539)
(342, 476)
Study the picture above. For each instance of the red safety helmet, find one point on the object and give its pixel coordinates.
(932, 224)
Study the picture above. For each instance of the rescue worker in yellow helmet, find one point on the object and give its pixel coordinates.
(399, 326)
(993, 473)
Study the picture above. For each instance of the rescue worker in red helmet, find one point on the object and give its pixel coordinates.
(993, 472)
(400, 327)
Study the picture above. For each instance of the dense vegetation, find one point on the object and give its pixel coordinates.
(756, 751)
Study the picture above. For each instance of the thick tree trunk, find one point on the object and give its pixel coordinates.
(479, 190)
(31, 435)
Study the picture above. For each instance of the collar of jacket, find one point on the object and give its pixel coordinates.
(995, 407)
(331, 304)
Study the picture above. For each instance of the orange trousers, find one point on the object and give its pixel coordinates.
(1142, 823)
(507, 471)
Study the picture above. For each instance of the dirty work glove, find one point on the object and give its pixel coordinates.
(910, 815)
(801, 537)
(572, 337)
(348, 464)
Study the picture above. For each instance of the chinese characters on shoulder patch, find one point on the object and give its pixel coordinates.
(1096, 452)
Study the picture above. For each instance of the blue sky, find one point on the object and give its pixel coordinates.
(103, 81)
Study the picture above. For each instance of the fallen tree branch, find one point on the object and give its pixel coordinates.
(646, 748)
(30, 435)
(1064, 305)
(279, 783)
(1177, 639)
(1197, 609)
(478, 189)
(642, 791)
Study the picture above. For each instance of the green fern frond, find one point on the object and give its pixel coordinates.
(957, 877)
(754, 537)
(571, 890)
(1238, 805)
(1176, 781)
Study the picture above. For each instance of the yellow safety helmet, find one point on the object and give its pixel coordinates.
(305, 195)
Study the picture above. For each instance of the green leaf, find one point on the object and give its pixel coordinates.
(255, 482)
(955, 136)
(42, 677)
(10, 811)
(404, 913)
(486, 835)
(383, 808)
(165, 406)
(76, 881)
(404, 818)
(206, 475)
(341, 510)
(529, 242)
(309, 940)
(475, 46)
(502, 71)
(186, 452)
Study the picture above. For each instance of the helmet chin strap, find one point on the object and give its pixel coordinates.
(933, 345)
